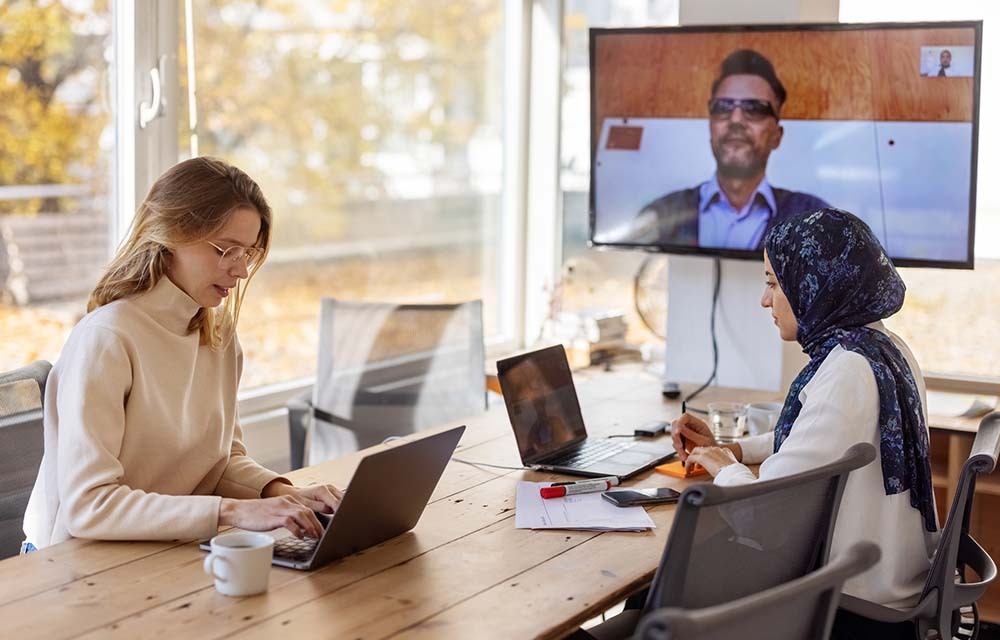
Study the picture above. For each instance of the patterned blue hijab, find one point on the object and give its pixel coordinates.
(838, 279)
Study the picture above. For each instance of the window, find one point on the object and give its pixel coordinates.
(602, 279)
(949, 316)
(56, 144)
(375, 130)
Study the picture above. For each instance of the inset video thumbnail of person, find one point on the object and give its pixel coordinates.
(708, 137)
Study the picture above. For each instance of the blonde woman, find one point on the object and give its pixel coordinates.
(142, 440)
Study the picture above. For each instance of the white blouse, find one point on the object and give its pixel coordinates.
(840, 408)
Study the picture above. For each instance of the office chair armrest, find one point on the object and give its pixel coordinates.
(970, 554)
(873, 611)
(974, 557)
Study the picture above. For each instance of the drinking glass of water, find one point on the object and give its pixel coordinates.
(727, 420)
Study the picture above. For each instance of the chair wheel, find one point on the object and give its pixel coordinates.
(965, 623)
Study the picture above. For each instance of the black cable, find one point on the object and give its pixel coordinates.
(717, 269)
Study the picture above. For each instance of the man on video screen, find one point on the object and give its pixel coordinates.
(944, 63)
(736, 207)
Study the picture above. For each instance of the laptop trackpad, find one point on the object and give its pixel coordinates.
(623, 464)
(631, 458)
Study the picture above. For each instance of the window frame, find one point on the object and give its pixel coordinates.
(957, 383)
(145, 38)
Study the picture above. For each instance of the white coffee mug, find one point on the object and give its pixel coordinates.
(240, 563)
(762, 416)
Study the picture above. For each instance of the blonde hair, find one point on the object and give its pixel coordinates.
(189, 203)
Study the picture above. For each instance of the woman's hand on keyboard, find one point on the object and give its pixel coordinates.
(266, 514)
(322, 498)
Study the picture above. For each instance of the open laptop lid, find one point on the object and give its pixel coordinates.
(387, 494)
(386, 497)
(541, 402)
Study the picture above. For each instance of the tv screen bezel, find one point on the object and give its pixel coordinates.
(742, 254)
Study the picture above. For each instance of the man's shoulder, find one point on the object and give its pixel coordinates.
(790, 202)
(675, 200)
(670, 219)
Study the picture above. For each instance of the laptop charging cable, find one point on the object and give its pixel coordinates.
(649, 430)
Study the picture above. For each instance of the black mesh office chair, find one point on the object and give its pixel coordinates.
(388, 370)
(21, 446)
(947, 603)
(758, 536)
(804, 607)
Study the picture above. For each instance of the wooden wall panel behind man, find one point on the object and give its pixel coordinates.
(829, 75)
(902, 94)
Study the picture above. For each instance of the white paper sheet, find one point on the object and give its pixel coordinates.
(587, 511)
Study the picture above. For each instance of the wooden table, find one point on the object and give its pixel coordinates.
(463, 572)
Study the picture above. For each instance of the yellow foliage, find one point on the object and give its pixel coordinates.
(288, 97)
(43, 138)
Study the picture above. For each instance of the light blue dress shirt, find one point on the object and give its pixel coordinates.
(721, 226)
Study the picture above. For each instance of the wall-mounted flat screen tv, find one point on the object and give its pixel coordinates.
(703, 138)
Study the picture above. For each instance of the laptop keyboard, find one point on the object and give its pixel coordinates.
(591, 450)
(292, 548)
(300, 550)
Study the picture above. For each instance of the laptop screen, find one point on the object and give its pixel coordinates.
(541, 402)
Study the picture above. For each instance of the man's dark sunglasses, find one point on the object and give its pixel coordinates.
(753, 109)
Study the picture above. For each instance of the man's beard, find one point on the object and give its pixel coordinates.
(743, 162)
(741, 165)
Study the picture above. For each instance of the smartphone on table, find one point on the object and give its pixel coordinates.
(636, 497)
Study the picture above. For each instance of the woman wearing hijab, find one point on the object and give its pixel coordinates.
(829, 285)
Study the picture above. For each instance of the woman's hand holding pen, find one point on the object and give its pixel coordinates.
(689, 432)
(712, 459)
(695, 444)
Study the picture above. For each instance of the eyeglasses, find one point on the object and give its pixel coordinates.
(753, 109)
(232, 255)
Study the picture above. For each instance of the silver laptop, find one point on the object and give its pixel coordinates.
(548, 425)
(385, 498)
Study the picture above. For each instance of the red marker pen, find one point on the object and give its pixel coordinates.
(583, 486)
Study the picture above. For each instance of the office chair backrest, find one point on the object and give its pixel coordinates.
(802, 609)
(21, 447)
(730, 542)
(388, 370)
(956, 548)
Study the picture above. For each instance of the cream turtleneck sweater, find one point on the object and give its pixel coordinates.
(142, 439)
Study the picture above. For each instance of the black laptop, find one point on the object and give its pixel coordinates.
(548, 425)
(385, 498)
